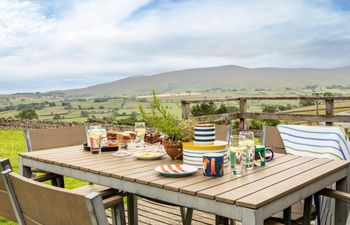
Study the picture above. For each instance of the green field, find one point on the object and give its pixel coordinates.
(11, 143)
(116, 108)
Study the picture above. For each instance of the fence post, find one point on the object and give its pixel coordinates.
(242, 110)
(329, 110)
(186, 110)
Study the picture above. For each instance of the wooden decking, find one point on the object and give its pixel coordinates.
(152, 213)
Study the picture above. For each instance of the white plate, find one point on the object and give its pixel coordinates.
(122, 153)
(176, 170)
(148, 155)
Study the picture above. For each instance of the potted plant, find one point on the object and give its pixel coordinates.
(168, 124)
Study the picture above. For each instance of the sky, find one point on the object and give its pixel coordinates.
(63, 44)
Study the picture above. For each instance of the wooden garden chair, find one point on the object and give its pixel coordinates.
(339, 195)
(57, 206)
(5, 206)
(223, 132)
(299, 212)
(41, 139)
(6, 210)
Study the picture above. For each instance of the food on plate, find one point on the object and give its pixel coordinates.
(149, 154)
(123, 137)
(152, 137)
(132, 134)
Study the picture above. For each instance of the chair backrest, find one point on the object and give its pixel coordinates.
(223, 132)
(40, 204)
(6, 210)
(271, 138)
(54, 137)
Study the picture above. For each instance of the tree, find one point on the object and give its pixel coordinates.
(84, 113)
(203, 109)
(307, 102)
(222, 109)
(270, 108)
(134, 115)
(57, 117)
(29, 114)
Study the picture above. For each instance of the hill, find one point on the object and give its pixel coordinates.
(222, 77)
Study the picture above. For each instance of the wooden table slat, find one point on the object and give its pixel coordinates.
(274, 192)
(192, 189)
(210, 193)
(258, 185)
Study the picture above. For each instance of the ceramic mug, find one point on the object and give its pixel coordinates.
(213, 164)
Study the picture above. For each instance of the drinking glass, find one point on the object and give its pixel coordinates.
(249, 153)
(95, 143)
(140, 129)
(237, 148)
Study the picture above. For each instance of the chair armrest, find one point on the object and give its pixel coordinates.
(112, 201)
(45, 177)
(335, 194)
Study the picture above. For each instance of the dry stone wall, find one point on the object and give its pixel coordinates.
(20, 124)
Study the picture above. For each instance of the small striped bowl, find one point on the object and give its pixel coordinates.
(204, 133)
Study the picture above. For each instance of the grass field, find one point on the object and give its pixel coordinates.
(122, 107)
(11, 143)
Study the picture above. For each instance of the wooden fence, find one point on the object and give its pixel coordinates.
(329, 118)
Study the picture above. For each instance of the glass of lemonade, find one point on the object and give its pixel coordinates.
(249, 153)
(237, 149)
(140, 129)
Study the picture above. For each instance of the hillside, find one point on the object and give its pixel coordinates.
(225, 77)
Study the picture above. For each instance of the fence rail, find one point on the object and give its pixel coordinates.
(242, 115)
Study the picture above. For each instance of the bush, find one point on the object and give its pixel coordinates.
(101, 99)
(84, 113)
(307, 102)
(255, 125)
(57, 117)
(270, 108)
(210, 109)
(203, 109)
(29, 114)
(34, 106)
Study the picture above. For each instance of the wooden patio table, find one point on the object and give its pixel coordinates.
(251, 198)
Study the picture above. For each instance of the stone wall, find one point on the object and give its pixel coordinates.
(20, 124)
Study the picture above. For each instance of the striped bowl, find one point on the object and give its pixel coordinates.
(204, 133)
(193, 152)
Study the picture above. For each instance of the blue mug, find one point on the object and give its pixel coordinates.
(213, 164)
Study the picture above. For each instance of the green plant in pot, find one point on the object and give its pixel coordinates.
(168, 124)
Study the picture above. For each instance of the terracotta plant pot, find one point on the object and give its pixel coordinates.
(173, 149)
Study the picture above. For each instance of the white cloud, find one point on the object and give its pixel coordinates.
(143, 37)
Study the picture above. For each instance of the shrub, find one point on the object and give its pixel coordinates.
(29, 114)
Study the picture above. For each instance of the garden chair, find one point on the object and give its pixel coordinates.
(5, 206)
(57, 206)
(223, 132)
(6, 210)
(339, 195)
(271, 138)
(40, 139)
(319, 142)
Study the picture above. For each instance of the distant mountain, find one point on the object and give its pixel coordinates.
(226, 77)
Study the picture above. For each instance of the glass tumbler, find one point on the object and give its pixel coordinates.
(237, 149)
(249, 153)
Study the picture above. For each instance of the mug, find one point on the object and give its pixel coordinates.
(213, 164)
(260, 156)
(269, 154)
